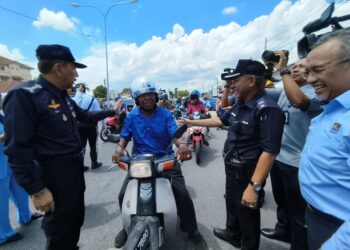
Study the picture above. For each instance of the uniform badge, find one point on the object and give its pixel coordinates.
(64, 117)
(335, 128)
(53, 104)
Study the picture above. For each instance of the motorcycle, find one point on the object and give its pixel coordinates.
(112, 126)
(197, 135)
(179, 112)
(149, 211)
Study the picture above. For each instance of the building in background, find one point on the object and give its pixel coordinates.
(12, 73)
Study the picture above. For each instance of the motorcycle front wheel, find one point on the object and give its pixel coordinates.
(104, 134)
(197, 151)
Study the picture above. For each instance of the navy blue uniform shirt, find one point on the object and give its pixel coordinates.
(41, 123)
(254, 127)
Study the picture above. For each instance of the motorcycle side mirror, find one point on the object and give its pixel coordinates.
(180, 131)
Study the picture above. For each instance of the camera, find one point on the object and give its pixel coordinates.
(269, 56)
(227, 72)
(305, 44)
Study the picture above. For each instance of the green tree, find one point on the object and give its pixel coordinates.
(182, 93)
(100, 91)
(125, 90)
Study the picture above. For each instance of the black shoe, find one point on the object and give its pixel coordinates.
(15, 237)
(227, 235)
(120, 239)
(96, 165)
(206, 142)
(275, 235)
(34, 217)
(85, 168)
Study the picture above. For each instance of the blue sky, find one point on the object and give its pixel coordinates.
(183, 43)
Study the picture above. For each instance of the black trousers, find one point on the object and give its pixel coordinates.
(296, 205)
(244, 222)
(320, 227)
(184, 204)
(283, 222)
(65, 180)
(89, 132)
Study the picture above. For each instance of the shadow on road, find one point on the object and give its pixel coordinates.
(97, 215)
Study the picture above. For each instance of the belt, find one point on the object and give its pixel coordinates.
(324, 215)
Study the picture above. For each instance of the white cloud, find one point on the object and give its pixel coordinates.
(189, 60)
(229, 10)
(56, 20)
(14, 54)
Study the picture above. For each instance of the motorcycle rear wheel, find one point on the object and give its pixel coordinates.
(197, 151)
(104, 134)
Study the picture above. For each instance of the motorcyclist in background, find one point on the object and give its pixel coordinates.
(164, 101)
(194, 104)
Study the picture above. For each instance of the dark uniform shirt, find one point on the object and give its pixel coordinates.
(40, 124)
(254, 127)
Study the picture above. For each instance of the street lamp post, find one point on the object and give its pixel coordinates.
(104, 16)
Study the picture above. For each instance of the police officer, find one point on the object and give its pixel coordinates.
(43, 144)
(254, 139)
(88, 131)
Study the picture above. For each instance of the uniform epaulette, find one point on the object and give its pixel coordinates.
(262, 103)
(31, 86)
(266, 101)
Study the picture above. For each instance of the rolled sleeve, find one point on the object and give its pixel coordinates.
(126, 132)
(271, 129)
(224, 116)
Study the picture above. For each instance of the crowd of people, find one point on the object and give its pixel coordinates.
(298, 135)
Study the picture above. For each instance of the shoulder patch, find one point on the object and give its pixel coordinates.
(262, 104)
(32, 88)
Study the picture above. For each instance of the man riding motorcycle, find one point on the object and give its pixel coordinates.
(152, 128)
(195, 104)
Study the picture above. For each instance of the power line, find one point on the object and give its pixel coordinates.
(35, 19)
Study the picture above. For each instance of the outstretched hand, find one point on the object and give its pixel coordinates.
(183, 121)
(117, 106)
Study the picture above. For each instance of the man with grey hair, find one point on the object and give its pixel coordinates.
(324, 173)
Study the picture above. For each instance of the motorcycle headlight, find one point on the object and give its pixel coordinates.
(140, 169)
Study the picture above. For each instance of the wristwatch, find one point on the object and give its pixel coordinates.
(257, 187)
(285, 72)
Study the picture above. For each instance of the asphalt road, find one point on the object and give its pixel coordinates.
(103, 219)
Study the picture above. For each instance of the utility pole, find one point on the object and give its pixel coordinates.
(265, 46)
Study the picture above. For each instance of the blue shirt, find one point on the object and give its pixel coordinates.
(152, 134)
(83, 100)
(324, 173)
(296, 126)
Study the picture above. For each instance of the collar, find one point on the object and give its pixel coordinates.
(252, 101)
(51, 87)
(344, 99)
(139, 112)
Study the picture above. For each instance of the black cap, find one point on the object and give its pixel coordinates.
(247, 67)
(57, 52)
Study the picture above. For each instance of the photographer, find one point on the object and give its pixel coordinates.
(299, 104)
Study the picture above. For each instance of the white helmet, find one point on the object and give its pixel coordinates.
(141, 88)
